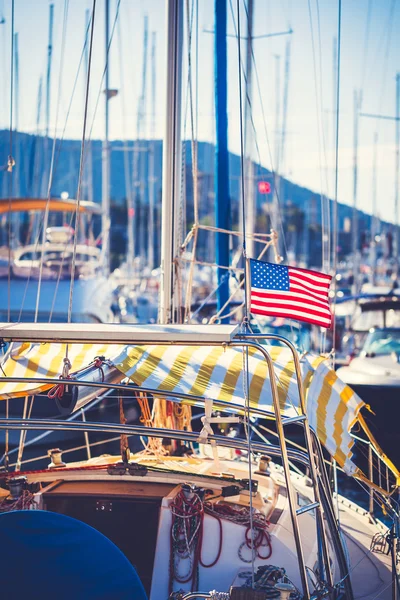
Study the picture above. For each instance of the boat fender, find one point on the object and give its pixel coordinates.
(67, 402)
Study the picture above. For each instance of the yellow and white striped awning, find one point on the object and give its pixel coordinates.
(45, 361)
(217, 373)
(210, 372)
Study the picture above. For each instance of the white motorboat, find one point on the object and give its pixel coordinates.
(38, 286)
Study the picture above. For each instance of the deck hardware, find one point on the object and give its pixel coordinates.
(137, 469)
(285, 589)
(296, 419)
(56, 458)
(118, 469)
(16, 485)
(104, 506)
(245, 487)
(230, 490)
(263, 466)
(307, 508)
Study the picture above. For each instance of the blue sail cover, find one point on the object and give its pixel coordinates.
(47, 555)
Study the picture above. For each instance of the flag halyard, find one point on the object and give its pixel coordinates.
(290, 292)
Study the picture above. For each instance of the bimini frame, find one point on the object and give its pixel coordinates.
(197, 335)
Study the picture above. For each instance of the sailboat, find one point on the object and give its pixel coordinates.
(200, 514)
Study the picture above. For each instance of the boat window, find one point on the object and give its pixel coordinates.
(382, 342)
(375, 318)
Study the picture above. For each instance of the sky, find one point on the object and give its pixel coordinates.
(370, 59)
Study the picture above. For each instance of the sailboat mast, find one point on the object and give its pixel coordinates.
(355, 233)
(105, 223)
(221, 179)
(49, 57)
(374, 218)
(396, 188)
(89, 167)
(251, 200)
(48, 90)
(151, 156)
(17, 140)
(171, 179)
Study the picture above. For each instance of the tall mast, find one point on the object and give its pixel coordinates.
(49, 60)
(17, 140)
(396, 180)
(334, 100)
(16, 54)
(48, 93)
(141, 127)
(277, 110)
(105, 222)
(251, 199)
(89, 166)
(221, 179)
(277, 178)
(355, 232)
(137, 148)
(151, 156)
(374, 218)
(171, 155)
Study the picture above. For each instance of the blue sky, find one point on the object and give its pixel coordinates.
(309, 148)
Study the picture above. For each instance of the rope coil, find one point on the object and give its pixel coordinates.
(186, 537)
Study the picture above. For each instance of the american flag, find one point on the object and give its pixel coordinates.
(280, 291)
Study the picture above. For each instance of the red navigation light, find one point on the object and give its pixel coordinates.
(264, 187)
(131, 212)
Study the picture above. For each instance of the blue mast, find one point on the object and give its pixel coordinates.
(221, 179)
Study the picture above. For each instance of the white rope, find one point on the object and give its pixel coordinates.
(78, 195)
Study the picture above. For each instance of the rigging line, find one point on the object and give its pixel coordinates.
(61, 140)
(335, 214)
(273, 170)
(60, 272)
(51, 173)
(78, 195)
(10, 162)
(73, 93)
(127, 172)
(248, 98)
(324, 143)
(386, 59)
(10, 167)
(104, 72)
(193, 127)
(318, 100)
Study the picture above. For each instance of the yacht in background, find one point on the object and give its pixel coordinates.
(45, 268)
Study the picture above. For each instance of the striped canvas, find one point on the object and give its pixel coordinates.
(46, 360)
(217, 373)
(211, 372)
